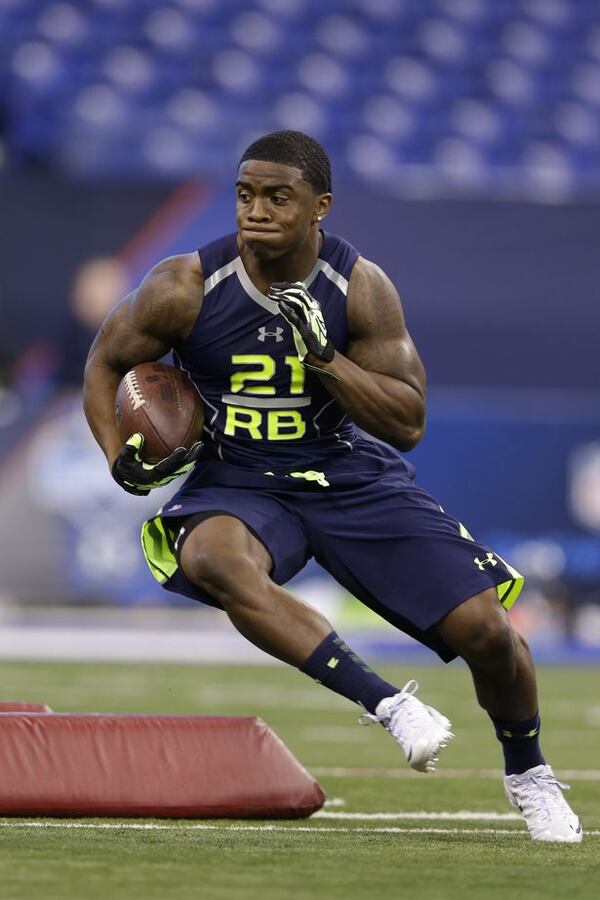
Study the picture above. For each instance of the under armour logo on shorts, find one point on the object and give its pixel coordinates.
(488, 561)
(263, 334)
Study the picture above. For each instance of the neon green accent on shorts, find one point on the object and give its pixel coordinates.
(319, 477)
(508, 591)
(333, 662)
(157, 547)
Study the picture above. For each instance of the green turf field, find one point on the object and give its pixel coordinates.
(334, 855)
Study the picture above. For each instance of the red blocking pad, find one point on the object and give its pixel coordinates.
(21, 706)
(159, 766)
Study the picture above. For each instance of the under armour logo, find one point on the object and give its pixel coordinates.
(488, 561)
(263, 334)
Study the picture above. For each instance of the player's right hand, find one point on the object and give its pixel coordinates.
(138, 477)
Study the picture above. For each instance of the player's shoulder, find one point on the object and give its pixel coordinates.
(179, 271)
(170, 296)
(370, 281)
(373, 302)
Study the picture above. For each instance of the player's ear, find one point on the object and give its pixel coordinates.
(322, 206)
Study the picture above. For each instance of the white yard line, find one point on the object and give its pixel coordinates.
(366, 772)
(461, 816)
(288, 829)
(294, 829)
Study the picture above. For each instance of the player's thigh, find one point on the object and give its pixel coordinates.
(221, 548)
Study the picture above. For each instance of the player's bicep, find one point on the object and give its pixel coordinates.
(150, 320)
(378, 338)
(396, 357)
(127, 338)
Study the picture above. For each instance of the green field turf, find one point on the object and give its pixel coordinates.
(326, 856)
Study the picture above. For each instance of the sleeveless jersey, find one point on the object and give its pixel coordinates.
(262, 408)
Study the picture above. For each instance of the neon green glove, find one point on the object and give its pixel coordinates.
(138, 477)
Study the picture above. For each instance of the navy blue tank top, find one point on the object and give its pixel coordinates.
(262, 408)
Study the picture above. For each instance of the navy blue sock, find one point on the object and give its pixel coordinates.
(520, 744)
(335, 665)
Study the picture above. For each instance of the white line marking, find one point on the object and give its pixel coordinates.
(328, 829)
(335, 801)
(462, 816)
(366, 772)
(292, 829)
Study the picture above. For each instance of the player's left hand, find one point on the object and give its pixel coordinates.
(305, 315)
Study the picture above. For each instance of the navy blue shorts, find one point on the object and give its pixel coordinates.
(361, 516)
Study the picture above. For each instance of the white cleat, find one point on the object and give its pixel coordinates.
(538, 794)
(420, 730)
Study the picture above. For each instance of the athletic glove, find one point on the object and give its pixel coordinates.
(138, 477)
(305, 315)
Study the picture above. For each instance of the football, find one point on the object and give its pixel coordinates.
(160, 402)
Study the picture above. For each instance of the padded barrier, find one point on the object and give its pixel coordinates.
(159, 766)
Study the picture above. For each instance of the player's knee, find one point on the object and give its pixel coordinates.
(489, 643)
(228, 577)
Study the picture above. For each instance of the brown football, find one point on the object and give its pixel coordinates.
(161, 402)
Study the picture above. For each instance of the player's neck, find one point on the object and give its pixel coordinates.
(293, 266)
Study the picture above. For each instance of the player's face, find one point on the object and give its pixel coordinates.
(276, 208)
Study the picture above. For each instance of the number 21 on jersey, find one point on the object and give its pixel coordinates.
(253, 410)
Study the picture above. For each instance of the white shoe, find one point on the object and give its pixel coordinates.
(420, 730)
(537, 793)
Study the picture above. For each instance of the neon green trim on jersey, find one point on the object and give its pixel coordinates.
(157, 546)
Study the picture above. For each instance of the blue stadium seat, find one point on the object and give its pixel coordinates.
(423, 88)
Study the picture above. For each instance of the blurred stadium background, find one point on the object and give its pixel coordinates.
(465, 140)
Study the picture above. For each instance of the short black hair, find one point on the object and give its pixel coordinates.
(293, 148)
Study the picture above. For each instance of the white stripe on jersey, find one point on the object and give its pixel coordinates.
(335, 277)
(219, 275)
(252, 290)
(264, 403)
(236, 265)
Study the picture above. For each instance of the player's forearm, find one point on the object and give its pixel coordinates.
(99, 392)
(385, 407)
